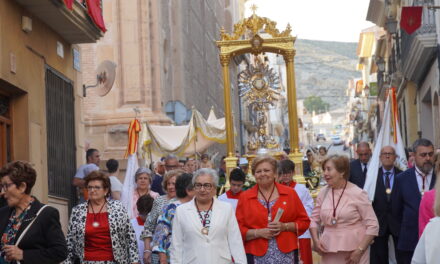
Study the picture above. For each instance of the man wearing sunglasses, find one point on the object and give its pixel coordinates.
(408, 191)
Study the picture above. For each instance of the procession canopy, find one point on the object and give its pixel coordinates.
(184, 140)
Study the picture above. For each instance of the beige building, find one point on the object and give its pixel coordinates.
(409, 62)
(167, 62)
(40, 91)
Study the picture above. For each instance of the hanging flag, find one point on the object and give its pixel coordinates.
(69, 4)
(133, 134)
(389, 135)
(95, 12)
(132, 166)
(411, 18)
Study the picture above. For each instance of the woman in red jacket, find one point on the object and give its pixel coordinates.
(266, 238)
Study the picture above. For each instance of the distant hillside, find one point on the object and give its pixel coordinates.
(323, 68)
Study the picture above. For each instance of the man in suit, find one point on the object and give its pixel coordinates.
(409, 187)
(382, 206)
(358, 167)
(159, 171)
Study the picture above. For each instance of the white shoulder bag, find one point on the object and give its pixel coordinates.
(27, 228)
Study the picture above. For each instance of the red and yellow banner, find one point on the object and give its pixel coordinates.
(133, 135)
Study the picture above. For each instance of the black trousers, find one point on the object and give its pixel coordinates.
(379, 251)
(405, 257)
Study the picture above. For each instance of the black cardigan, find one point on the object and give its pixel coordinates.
(44, 242)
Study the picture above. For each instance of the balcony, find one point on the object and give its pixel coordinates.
(74, 26)
(420, 48)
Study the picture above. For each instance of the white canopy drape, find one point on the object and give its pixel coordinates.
(184, 140)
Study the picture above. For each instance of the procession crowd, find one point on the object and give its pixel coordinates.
(176, 216)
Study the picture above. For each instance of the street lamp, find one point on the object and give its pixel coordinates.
(391, 25)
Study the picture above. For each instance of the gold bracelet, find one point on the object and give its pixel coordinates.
(285, 227)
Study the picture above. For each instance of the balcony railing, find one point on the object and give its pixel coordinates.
(75, 26)
(419, 49)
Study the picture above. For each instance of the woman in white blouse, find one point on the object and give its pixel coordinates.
(205, 229)
(428, 248)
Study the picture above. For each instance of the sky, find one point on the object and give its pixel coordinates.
(337, 20)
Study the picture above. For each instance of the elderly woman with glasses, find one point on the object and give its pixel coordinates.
(99, 229)
(30, 231)
(143, 182)
(206, 224)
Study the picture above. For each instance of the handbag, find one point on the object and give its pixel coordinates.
(27, 228)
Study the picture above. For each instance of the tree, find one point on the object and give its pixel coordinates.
(315, 103)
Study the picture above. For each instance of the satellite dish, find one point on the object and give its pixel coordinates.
(105, 78)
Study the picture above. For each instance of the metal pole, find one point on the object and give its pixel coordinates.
(231, 160)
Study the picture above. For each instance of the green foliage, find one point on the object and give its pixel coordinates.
(315, 103)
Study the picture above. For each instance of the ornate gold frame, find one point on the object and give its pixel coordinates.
(246, 39)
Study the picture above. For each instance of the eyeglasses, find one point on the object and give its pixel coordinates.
(5, 187)
(94, 188)
(207, 186)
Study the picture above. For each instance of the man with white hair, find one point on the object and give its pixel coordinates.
(159, 171)
(382, 205)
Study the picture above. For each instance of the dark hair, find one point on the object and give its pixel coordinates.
(112, 165)
(237, 175)
(264, 158)
(20, 172)
(144, 204)
(308, 151)
(89, 153)
(99, 176)
(341, 163)
(324, 148)
(421, 142)
(183, 183)
(286, 166)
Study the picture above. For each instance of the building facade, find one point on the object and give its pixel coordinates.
(40, 92)
(167, 62)
(409, 62)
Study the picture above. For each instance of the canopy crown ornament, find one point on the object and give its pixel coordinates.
(252, 25)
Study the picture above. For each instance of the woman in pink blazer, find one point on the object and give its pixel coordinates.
(346, 214)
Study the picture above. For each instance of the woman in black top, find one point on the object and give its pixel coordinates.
(30, 231)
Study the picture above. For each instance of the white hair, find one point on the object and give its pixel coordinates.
(206, 171)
